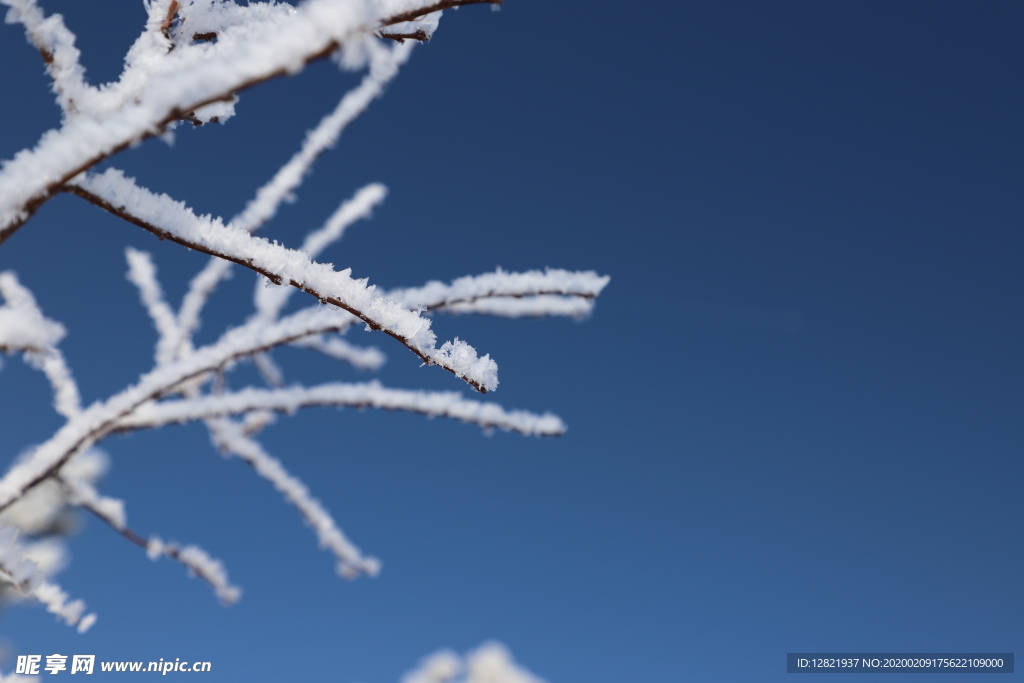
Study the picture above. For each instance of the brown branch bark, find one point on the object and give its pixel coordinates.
(159, 127)
(170, 551)
(172, 13)
(190, 117)
(495, 295)
(172, 385)
(420, 35)
(32, 205)
(104, 429)
(46, 55)
(121, 212)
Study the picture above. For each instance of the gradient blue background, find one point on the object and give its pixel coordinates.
(795, 416)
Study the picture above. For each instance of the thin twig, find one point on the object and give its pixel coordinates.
(108, 425)
(172, 13)
(343, 395)
(498, 295)
(121, 212)
(419, 35)
(159, 127)
(190, 117)
(167, 550)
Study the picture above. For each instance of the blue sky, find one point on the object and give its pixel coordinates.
(795, 417)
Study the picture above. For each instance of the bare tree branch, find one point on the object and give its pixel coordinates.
(268, 198)
(123, 129)
(56, 45)
(420, 35)
(189, 57)
(368, 395)
(231, 438)
(239, 247)
(206, 571)
(100, 419)
(178, 88)
(16, 570)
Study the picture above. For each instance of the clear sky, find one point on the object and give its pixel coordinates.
(796, 417)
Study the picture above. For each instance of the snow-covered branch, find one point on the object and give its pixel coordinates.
(190, 63)
(269, 197)
(199, 564)
(56, 45)
(172, 220)
(384, 67)
(160, 85)
(111, 511)
(100, 419)
(540, 306)
(538, 293)
(24, 575)
(142, 274)
(270, 301)
(16, 568)
(23, 327)
(230, 438)
(84, 495)
(366, 395)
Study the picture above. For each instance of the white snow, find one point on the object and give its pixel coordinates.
(14, 566)
(270, 301)
(230, 438)
(194, 67)
(23, 327)
(472, 288)
(83, 494)
(293, 267)
(142, 274)
(369, 394)
(280, 187)
(42, 507)
(157, 84)
(523, 307)
(24, 574)
(49, 34)
(199, 564)
(99, 419)
(490, 663)
(213, 571)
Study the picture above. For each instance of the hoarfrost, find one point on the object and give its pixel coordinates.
(190, 64)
